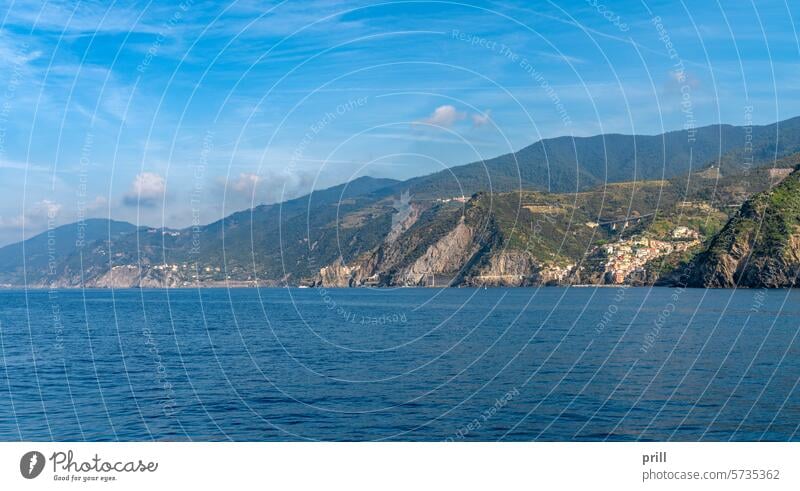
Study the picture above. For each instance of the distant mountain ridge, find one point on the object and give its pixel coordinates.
(567, 164)
(36, 254)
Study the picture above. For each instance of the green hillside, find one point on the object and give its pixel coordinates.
(758, 247)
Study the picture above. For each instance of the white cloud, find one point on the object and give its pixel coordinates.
(14, 53)
(90, 16)
(22, 166)
(444, 116)
(36, 216)
(116, 101)
(255, 19)
(248, 189)
(678, 79)
(99, 203)
(481, 119)
(447, 115)
(572, 60)
(147, 190)
(46, 209)
(245, 183)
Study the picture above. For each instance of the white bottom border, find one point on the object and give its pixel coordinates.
(404, 466)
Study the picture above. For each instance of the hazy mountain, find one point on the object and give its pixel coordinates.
(50, 248)
(269, 239)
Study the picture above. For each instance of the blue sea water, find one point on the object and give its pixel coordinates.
(400, 364)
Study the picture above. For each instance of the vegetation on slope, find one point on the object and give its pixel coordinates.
(758, 246)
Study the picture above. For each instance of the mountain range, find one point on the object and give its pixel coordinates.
(599, 210)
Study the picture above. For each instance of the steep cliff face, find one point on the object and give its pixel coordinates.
(407, 215)
(132, 276)
(433, 246)
(416, 258)
(120, 276)
(758, 247)
(336, 275)
(445, 256)
(506, 268)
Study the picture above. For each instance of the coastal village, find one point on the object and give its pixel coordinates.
(628, 257)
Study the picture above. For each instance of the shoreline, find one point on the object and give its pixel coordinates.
(302, 287)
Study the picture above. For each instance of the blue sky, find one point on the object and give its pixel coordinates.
(165, 113)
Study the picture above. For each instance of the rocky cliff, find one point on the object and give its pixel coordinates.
(437, 248)
(758, 247)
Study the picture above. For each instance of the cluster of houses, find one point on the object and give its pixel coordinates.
(454, 199)
(632, 255)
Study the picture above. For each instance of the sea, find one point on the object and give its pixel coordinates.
(402, 364)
